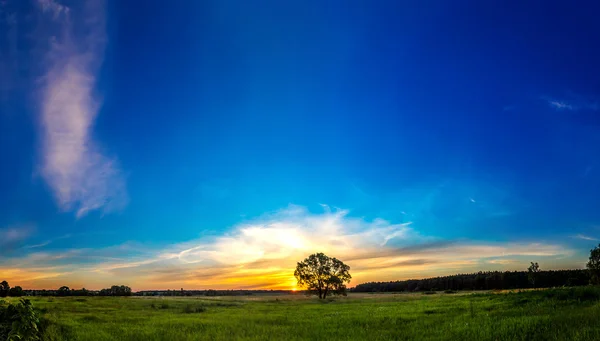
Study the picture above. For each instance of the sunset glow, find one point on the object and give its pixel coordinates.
(213, 146)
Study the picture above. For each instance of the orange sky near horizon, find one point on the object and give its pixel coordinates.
(262, 255)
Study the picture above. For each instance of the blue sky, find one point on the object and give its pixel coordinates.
(196, 138)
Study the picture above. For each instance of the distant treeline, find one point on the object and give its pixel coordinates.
(115, 290)
(123, 290)
(209, 292)
(126, 291)
(482, 281)
(17, 291)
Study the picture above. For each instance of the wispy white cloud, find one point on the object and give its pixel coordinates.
(81, 175)
(12, 237)
(47, 242)
(574, 102)
(560, 105)
(584, 237)
(502, 261)
(295, 232)
(54, 7)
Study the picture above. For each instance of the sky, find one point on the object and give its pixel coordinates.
(215, 143)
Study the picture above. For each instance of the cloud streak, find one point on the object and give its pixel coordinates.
(12, 237)
(560, 105)
(584, 237)
(82, 177)
(575, 103)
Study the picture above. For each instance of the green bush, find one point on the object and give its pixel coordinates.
(18, 321)
(449, 291)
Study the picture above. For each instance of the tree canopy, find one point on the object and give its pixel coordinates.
(532, 272)
(322, 275)
(593, 264)
(116, 290)
(16, 291)
(4, 288)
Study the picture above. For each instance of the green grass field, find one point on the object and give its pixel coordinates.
(558, 314)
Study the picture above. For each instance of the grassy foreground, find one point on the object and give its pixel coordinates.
(557, 314)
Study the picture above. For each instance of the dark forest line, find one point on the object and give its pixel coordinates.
(488, 280)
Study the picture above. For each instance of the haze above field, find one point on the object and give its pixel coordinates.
(213, 144)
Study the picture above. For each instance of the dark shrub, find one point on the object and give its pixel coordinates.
(190, 309)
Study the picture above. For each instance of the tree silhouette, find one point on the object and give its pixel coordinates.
(116, 290)
(4, 289)
(322, 275)
(63, 291)
(593, 265)
(16, 291)
(532, 273)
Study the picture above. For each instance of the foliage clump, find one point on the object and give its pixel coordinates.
(19, 321)
(593, 265)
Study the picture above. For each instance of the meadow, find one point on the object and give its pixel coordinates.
(553, 314)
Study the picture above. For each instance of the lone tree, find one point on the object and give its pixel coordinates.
(532, 273)
(322, 275)
(593, 265)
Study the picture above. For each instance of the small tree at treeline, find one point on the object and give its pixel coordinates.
(116, 290)
(322, 275)
(532, 273)
(4, 288)
(593, 265)
(63, 291)
(16, 291)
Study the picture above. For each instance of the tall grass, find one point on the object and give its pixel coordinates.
(554, 314)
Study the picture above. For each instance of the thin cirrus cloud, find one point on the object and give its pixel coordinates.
(12, 237)
(82, 177)
(262, 253)
(575, 103)
(584, 237)
(560, 105)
